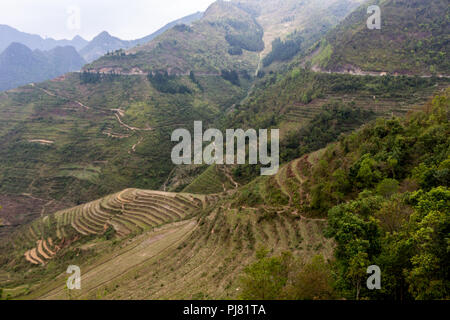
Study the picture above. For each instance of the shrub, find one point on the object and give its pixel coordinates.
(182, 28)
(314, 281)
(387, 187)
(232, 76)
(265, 279)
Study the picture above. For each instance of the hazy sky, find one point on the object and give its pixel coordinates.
(126, 19)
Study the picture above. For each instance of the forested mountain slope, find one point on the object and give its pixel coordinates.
(413, 39)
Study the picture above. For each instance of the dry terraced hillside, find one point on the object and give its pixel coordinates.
(129, 212)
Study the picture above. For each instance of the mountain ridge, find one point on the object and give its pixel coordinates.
(9, 35)
(19, 65)
(90, 50)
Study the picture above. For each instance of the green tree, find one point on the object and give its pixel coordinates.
(430, 233)
(265, 279)
(356, 272)
(367, 174)
(358, 242)
(387, 187)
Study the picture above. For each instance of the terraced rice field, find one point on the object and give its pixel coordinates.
(44, 251)
(130, 212)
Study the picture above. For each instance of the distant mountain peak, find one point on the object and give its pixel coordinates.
(103, 35)
(17, 46)
(16, 51)
(78, 38)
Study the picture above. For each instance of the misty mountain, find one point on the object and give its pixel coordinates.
(9, 35)
(20, 65)
(89, 50)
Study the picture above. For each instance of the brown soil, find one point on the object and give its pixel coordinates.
(18, 210)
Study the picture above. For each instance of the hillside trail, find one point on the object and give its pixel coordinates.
(128, 126)
(133, 148)
(117, 112)
(225, 171)
(359, 72)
